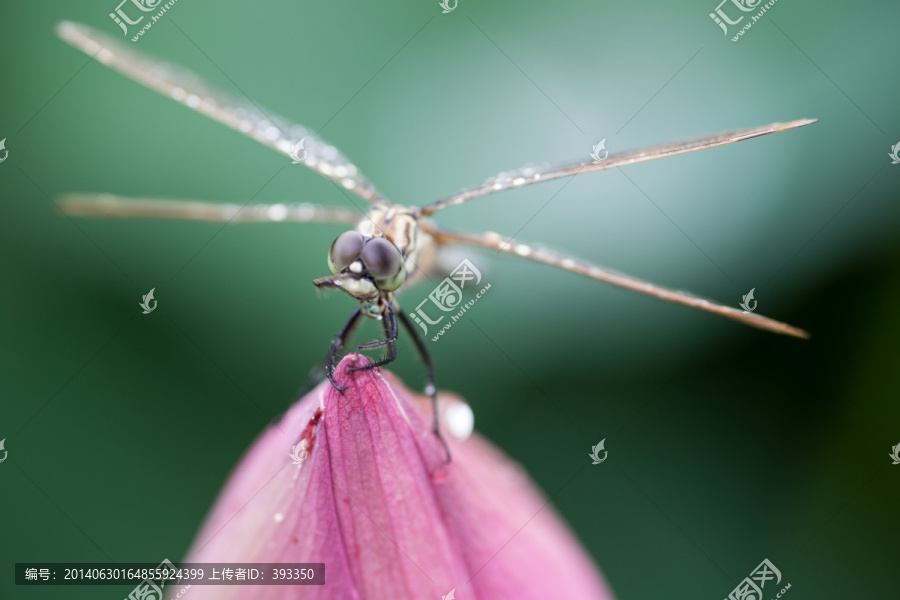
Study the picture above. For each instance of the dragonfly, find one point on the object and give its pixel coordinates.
(390, 246)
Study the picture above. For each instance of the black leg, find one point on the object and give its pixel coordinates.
(338, 343)
(390, 340)
(431, 385)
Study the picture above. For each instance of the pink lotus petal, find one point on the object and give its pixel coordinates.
(374, 501)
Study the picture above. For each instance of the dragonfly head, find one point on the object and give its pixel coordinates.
(363, 267)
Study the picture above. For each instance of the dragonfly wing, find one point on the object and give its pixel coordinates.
(532, 175)
(242, 115)
(108, 205)
(495, 242)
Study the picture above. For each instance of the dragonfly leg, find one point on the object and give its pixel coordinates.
(337, 343)
(390, 340)
(431, 385)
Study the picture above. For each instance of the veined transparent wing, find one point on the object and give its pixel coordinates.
(561, 261)
(109, 205)
(241, 115)
(532, 175)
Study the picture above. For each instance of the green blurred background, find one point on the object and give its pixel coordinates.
(727, 445)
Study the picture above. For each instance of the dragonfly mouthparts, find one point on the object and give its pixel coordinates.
(359, 286)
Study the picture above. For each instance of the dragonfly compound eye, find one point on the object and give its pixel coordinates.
(344, 250)
(384, 263)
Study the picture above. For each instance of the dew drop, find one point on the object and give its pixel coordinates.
(105, 56)
(460, 420)
(277, 212)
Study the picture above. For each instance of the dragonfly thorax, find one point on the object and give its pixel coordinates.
(401, 225)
